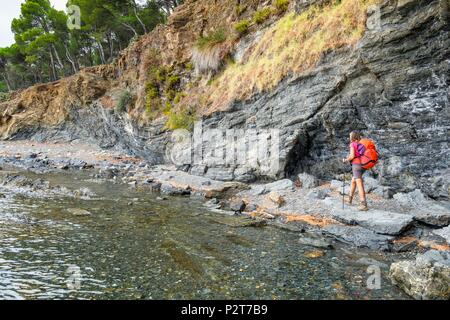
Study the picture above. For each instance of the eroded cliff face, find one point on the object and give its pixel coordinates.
(392, 85)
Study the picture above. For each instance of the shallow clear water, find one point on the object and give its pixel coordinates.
(160, 249)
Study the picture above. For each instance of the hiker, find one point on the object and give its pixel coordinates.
(354, 157)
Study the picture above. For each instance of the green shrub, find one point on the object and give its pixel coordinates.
(4, 96)
(239, 9)
(211, 40)
(262, 15)
(172, 81)
(124, 100)
(189, 66)
(281, 5)
(182, 119)
(178, 97)
(242, 26)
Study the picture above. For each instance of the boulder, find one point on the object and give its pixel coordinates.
(237, 205)
(381, 222)
(426, 277)
(308, 181)
(444, 233)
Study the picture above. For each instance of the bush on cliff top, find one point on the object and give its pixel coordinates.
(262, 15)
(293, 45)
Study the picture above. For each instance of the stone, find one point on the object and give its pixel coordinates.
(237, 205)
(168, 189)
(198, 170)
(280, 185)
(221, 174)
(315, 241)
(276, 198)
(437, 216)
(444, 233)
(383, 191)
(257, 190)
(79, 212)
(359, 237)
(426, 277)
(318, 194)
(307, 181)
(381, 222)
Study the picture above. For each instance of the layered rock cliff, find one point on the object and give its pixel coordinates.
(391, 83)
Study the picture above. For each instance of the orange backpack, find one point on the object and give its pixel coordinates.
(369, 157)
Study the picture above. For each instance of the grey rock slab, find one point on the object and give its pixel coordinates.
(444, 233)
(381, 222)
(280, 185)
(359, 237)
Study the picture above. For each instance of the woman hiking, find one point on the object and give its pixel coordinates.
(354, 158)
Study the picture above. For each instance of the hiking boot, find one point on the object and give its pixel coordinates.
(363, 206)
(349, 200)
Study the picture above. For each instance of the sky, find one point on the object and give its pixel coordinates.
(10, 9)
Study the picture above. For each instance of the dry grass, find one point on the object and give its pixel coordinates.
(293, 45)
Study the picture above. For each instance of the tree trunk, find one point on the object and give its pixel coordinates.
(52, 67)
(138, 18)
(101, 52)
(130, 28)
(71, 60)
(61, 65)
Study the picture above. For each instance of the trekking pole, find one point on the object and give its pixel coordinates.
(343, 191)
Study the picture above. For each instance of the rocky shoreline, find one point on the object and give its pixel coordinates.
(407, 224)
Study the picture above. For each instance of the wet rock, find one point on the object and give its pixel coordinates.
(314, 254)
(371, 262)
(444, 233)
(314, 241)
(169, 189)
(79, 212)
(84, 193)
(359, 237)
(239, 221)
(307, 181)
(382, 222)
(426, 277)
(281, 185)
(237, 205)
